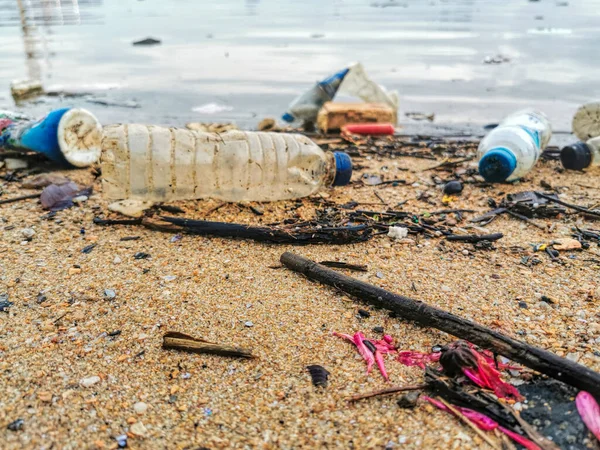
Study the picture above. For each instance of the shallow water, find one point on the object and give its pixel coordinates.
(251, 57)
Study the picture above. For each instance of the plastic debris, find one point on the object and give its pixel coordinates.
(397, 232)
(43, 180)
(130, 207)
(511, 150)
(15, 164)
(357, 83)
(230, 166)
(586, 121)
(334, 116)
(148, 41)
(306, 106)
(369, 129)
(68, 136)
(589, 410)
(581, 155)
(24, 89)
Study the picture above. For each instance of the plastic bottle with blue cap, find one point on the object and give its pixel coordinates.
(511, 149)
(154, 164)
(70, 137)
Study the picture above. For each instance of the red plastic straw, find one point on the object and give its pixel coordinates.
(369, 128)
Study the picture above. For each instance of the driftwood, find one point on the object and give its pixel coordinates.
(173, 340)
(18, 199)
(533, 357)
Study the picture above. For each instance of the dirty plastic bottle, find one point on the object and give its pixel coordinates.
(151, 163)
(581, 155)
(511, 149)
(307, 106)
(68, 136)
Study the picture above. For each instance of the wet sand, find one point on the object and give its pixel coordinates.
(196, 401)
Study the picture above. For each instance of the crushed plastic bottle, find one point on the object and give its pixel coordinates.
(511, 149)
(581, 155)
(306, 106)
(68, 136)
(150, 163)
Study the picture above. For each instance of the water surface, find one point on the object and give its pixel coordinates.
(253, 56)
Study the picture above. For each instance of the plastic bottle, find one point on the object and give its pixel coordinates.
(70, 137)
(511, 149)
(581, 155)
(306, 106)
(151, 163)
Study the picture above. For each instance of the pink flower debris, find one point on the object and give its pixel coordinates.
(589, 411)
(382, 347)
(410, 358)
(485, 423)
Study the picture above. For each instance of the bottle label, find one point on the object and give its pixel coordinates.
(537, 139)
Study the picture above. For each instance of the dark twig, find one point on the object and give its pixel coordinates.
(533, 357)
(524, 219)
(343, 265)
(569, 205)
(18, 199)
(473, 238)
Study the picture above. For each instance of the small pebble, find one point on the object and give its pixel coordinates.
(379, 275)
(140, 408)
(453, 187)
(117, 260)
(122, 441)
(109, 294)
(28, 233)
(139, 429)
(16, 425)
(523, 305)
(377, 329)
(409, 400)
(89, 381)
(248, 324)
(465, 252)
(364, 313)
(141, 255)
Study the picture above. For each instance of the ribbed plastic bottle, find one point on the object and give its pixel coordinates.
(157, 164)
(581, 155)
(511, 149)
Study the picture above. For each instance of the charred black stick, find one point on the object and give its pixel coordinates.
(388, 391)
(344, 265)
(473, 238)
(429, 316)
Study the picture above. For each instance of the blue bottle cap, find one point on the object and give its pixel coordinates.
(43, 137)
(497, 164)
(288, 117)
(343, 169)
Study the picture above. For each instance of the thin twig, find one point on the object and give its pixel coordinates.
(569, 205)
(18, 199)
(525, 219)
(387, 391)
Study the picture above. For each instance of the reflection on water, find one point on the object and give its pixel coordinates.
(254, 56)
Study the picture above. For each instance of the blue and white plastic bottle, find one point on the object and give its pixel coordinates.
(71, 137)
(307, 106)
(511, 149)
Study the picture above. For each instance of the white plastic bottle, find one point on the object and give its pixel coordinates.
(511, 149)
(151, 163)
(581, 155)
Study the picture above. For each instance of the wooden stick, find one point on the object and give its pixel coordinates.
(524, 219)
(387, 391)
(18, 199)
(173, 340)
(472, 238)
(533, 357)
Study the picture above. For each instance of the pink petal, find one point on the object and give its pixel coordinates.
(381, 365)
(589, 411)
(521, 440)
(410, 358)
(364, 351)
(344, 336)
(387, 338)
